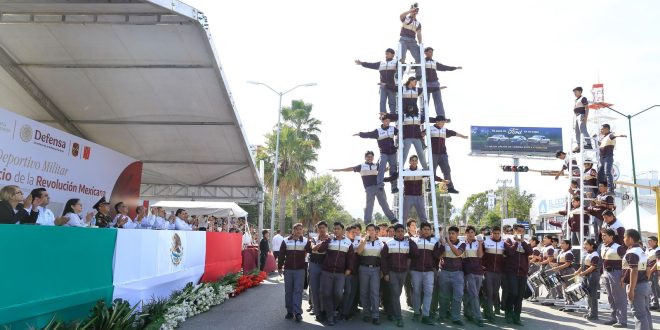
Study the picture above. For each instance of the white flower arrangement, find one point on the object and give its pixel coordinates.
(194, 300)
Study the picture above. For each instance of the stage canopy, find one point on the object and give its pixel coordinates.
(140, 77)
(218, 209)
(648, 221)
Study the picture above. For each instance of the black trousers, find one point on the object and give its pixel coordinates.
(262, 261)
(516, 288)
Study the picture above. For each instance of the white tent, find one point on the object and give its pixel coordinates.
(647, 221)
(218, 209)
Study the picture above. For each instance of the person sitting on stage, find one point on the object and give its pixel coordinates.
(387, 69)
(336, 266)
(440, 158)
(12, 209)
(293, 251)
(591, 276)
(425, 257)
(493, 262)
(474, 274)
(369, 172)
(432, 83)
(652, 255)
(638, 288)
(565, 260)
(73, 214)
(396, 256)
(612, 254)
(611, 222)
(604, 201)
(452, 281)
(516, 265)
(385, 135)
(369, 250)
(102, 217)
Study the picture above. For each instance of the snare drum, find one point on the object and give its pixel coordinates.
(552, 280)
(575, 292)
(536, 280)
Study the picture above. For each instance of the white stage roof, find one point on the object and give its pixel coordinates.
(140, 77)
(219, 209)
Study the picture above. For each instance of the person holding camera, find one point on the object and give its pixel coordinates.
(411, 28)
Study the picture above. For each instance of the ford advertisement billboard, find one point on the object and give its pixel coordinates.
(515, 141)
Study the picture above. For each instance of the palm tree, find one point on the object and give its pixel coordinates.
(299, 116)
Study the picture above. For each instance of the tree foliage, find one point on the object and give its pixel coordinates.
(518, 204)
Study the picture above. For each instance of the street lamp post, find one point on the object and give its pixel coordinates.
(632, 155)
(277, 147)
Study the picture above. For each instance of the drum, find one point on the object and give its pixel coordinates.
(575, 292)
(552, 280)
(536, 279)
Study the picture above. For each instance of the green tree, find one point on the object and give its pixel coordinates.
(319, 199)
(518, 204)
(491, 219)
(475, 207)
(379, 218)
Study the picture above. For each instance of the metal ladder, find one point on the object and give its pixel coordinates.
(401, 162)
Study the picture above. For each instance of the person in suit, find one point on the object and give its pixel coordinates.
(11, 206)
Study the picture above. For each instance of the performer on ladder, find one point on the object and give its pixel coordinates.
(604, 201)
(612, 254)
(369, 172)
(410, 28)
(413, 191)
(432, 83)
(591, 276)
(440, 158)
(606, 143)
(573, 165)
(387, 69)
(412, 121)
(590, 179)
(385, 135)
(581, 111)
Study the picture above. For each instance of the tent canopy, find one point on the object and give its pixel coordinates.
(141, 77)
(218, 209)
(647, 221)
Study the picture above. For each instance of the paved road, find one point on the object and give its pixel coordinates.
(263, 308)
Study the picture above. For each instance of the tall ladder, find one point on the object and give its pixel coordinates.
(401, 161)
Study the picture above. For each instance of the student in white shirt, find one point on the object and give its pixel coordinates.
(73, 213)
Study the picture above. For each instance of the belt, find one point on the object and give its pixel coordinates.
(369, 266)
(609, 269)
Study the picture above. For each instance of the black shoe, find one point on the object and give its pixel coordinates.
(427, 320)
(440, 319)
(399, 323)
(619, 325)
(588, 147)
(298, 318)
(318, 319)
(576, 149)
(458, 322)
(395, 190)
(394, 221)
(568, 310)
(310, 309)
(416, 317)
(516, 321)
(366, 319)
(610, 322)
(655, 308)
(331, 322)
(469, 318)
(547, 304)
(288, 316)
(375, 322)
(498, 312)
(452, 191)
(391, 318)
(480, 323)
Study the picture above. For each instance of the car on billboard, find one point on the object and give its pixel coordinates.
(538, 139)
(518, 140)
(497, 139)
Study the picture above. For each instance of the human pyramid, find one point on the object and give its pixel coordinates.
(481, 275)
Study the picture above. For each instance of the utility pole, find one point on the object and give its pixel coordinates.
(505, 202)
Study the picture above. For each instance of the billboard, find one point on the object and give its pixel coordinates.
(35, 155)
(516, 141)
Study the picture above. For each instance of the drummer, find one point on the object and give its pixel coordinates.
(591, 277)
(534, 259)
(612, 253)
(565, 260)
(548, 257)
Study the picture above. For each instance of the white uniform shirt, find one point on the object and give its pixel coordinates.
(148, 222)
(46, 216)
(179, 224)
(74, 220)
(277, 242)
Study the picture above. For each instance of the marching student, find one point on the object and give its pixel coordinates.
(581, 111)
(413, 187)
(388, 151)
(474, 275)
(293, 252)
(396, 256)
(369, 251)
(611, 222)
(387, 70)
(634, 275)
(369, 172)
(315, 266)
(410, 28)
(493, 262)
(547, 258)
(440, 158)
(606, 142)
(565, 260)
(425, 257)
(351, 280)
(652, 255)
(432, 83)
(336, 266)
(516, 265)
(612, 254)
(452, 282)
(591, 276)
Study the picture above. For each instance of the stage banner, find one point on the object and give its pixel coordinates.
(515, 141)
(152, 263)
(53, 271)
(223, 255)
(35, 155)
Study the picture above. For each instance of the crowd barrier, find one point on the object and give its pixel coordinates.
(63, 271)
